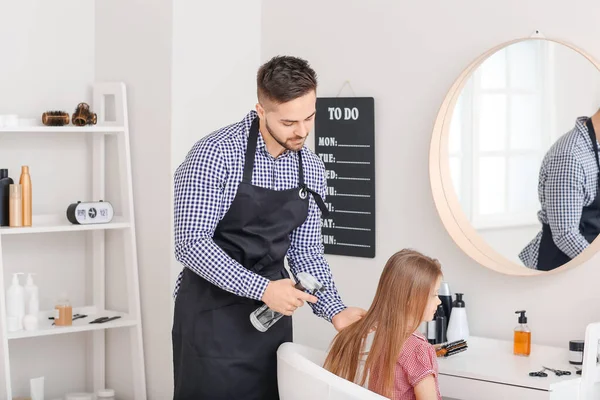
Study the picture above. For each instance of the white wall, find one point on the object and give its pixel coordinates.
(213, 80)
(133, 45)
(47, 63)
(406, 55)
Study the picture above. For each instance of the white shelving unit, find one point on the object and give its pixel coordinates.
(123, 220)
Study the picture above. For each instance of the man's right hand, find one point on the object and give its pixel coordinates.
(283, 297)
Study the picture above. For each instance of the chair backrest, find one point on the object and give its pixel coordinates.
(590, 376)
(301, 376)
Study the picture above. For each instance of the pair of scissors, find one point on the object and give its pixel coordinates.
(557, 371)
(542, 374)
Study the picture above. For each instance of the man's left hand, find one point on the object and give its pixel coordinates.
(347, 317)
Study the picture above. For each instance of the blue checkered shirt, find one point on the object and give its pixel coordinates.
(568, 181)
(205, 186)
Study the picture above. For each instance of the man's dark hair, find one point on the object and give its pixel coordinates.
(285, 78)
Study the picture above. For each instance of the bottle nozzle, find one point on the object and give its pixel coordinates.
(15, 280)
(522, 317)
(30, 278)
(459, 302)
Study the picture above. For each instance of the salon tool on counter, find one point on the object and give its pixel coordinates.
(55, 118)
(83, 116)
(557, 372)
(263, 317)
(449, 349)
(76, 316)
(543, 374)
(538, 374)
(102, 320)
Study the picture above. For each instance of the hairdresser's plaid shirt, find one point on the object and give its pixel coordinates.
(568, 182)
(205, 186)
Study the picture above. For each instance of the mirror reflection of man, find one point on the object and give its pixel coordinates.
(569, 194)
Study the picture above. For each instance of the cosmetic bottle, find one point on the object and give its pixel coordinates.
(32, 305)
(576, 348)
(31, 289)
(431, 331)
(63, 312)
(25, 182)
(441, 325)
(36, 387)
(5, 183)
(15, 303)
(15, 206)
(446, 298)
(522, 341)
(458, 326)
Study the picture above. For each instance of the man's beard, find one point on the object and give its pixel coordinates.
(282, 143)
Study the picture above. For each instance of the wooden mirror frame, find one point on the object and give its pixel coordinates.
(446, 201)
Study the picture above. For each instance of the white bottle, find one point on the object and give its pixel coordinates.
(30, 290)
(15, 303)
(458, 327)
(31, 320)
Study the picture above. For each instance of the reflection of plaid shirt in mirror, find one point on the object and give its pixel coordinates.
(205, 186)
(568, 182)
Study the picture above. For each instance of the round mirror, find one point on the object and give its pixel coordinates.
(513, 162)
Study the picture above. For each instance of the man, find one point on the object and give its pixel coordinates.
(570, 198)
(247, 196)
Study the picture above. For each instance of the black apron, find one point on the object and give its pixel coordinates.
(217, 353)
(550, 256)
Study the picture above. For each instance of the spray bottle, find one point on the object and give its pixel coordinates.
(263, 317)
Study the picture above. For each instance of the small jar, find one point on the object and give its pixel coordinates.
(63, 312)
(576, 352)
(105, 394)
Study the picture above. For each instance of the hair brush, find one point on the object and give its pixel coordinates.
(55, 118)
(83, 116)
(451, 348)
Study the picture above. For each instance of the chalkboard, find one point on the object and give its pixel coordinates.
(345, 142)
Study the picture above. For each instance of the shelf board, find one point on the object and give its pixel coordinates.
(46, 328)
(64, 129)
(49, 224)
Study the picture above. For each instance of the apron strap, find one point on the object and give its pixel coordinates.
(251, 151)
(300, 169)
(594, 140)
(315, 195)
(249, 166)
(318, 200)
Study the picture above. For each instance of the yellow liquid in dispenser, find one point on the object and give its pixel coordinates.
(522, 343)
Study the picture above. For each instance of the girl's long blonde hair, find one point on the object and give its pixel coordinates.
(396, 312)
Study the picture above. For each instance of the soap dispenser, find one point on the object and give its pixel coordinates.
(458, 327)
(31, 291)
(32, 305)
(522, 341)
(15, 304)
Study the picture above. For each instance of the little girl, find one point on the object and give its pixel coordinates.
(400, 364)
